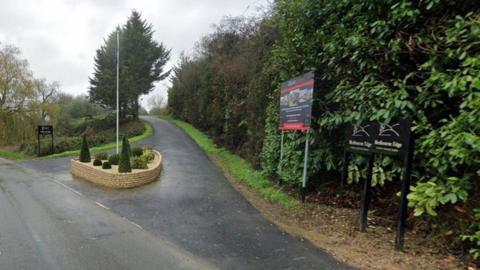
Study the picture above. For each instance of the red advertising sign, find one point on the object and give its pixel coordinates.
(296, 96)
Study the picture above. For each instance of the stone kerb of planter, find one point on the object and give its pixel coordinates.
(112, 178)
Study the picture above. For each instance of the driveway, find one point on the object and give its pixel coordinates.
(193, 210)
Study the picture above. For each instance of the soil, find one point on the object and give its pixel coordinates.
(333, 228)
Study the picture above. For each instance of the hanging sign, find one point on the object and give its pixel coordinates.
(296, 97)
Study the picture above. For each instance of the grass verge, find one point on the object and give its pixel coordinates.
(236, 166)
(12, 155)
(104, 147)
(108, 146)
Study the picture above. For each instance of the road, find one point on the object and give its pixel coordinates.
(192, 218)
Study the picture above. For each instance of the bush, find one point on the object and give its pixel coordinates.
(106, 165)
(137, 151)
(139, 163)
(101, 156)
(84, 151)
(148, 155)
(97, 162)
(124, 163)
(114, 159)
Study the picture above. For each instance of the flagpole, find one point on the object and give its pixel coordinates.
(118, 60)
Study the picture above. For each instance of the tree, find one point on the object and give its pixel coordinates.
(15, 80)
(46, 93)
(124, 163)
(84, 151)
(142, 62)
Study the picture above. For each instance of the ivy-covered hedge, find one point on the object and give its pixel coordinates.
(379, 60)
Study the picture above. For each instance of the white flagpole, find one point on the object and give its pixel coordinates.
(118, 60)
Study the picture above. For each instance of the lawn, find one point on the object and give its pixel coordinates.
(14, 155)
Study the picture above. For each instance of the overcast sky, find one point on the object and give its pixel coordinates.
(59, 37)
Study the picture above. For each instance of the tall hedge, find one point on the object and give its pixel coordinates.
(378, 60)
(124, 163)
(84, 150)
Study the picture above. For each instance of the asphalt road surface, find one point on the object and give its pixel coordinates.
(192, 218)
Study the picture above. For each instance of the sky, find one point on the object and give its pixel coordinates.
(59, 37)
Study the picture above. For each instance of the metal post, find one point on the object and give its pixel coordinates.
(366, 194)
(281, 158)
(118, 60)
(38, 138)
(402, 211)
(305, 162)
(52, 150)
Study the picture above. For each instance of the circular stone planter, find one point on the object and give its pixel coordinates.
(112, 178)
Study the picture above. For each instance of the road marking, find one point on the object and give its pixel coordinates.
(69, 188)
(135, 224)
(101, 205)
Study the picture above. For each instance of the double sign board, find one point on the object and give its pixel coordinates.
(382, 138)
(42, 131)
(393, 139)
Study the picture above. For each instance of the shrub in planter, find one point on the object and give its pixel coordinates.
(106, 165)
(148, 155)
(113, 159)
(137, 151)
(97, 162)
(139, 163)
(84, 151)
(124, 163)
(101, 156)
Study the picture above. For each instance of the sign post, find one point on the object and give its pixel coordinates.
(394, 139)
(296, 100)
(44, 130)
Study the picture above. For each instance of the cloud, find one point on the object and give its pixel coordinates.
(59, 38)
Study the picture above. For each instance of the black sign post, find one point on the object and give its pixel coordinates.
(45, 130)
(394, 139)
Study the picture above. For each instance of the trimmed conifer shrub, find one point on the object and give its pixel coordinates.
(137, 151)
(106, 165)
(124, 163)
(114, 159)
(84, 151)
(97, 162)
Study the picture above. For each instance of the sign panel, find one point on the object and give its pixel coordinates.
(360, 138)
(383, 138)
(296, 99)
(45, 130)
(392, 138)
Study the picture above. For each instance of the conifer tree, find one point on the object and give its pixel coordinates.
(142, 62)
(124, 163)
(84, 151)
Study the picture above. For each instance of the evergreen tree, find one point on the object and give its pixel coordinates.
(84, 151)
(124, 163)
(142, 62)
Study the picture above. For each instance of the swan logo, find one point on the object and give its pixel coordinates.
(388, 130)
(359, 131)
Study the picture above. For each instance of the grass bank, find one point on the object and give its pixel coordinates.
(104, 147)
(235, 166)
